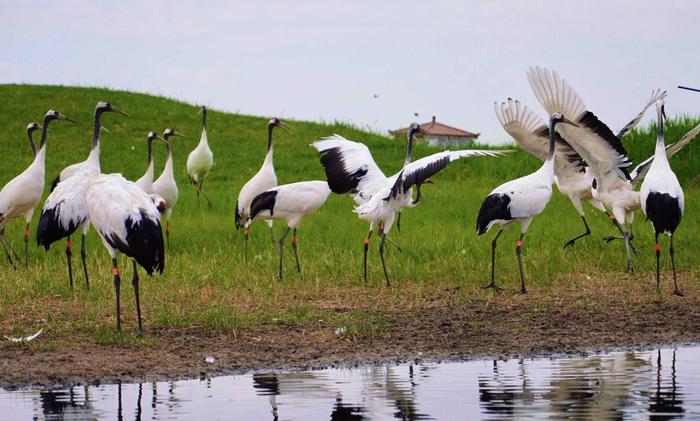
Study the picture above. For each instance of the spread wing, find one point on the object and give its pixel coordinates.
(417, 172)
(655, 96)
(592, 139)
(349, 166)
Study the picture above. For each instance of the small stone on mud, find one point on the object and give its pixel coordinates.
(209, 360)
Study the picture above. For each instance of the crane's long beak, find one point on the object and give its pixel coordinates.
(286, 127)
(103, 129)
(567, 121)
(161, 138)
(176, 133)
(63, 117)
(118, 111)
(40, 127)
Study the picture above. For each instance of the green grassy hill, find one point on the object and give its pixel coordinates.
(206, 279)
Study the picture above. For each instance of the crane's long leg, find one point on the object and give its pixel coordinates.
(5, 249)
(676, 290)
(167, 232)
(657, 248)
(26, 246)
(135, 283)
(518, 253)
(201, 183)
(282, 251)
(69, 259)
(295, 239)
(246, 234)
(398, 222)
(573, 240)
(9, 246)
(117, 284)
(366, 248)
(493, 263)
(197, 190)
(630, 265)
(381, 254)
(83, 255)
(610, 238)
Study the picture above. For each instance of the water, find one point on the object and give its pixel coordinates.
(659, 384)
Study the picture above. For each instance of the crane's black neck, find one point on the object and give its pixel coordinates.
(167, 143)
(409, 147)
(270, 127)
(96, 129)
(204, 118)
(31, 139)
(660, 124)
(150, 149)
(552, 139)
(47, 119)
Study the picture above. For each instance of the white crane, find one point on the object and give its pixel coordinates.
(20, 196)
(571, 174)
(350, 168)
(519, 200)
(165, 186)
(598, 146)
(146, 180)
(65, 209)
(290, 202)
(263, 180)
(200, 160)
(662, 198)
(127, 221)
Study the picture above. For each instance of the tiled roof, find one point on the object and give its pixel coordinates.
(436, 128)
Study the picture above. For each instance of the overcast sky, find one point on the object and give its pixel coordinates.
(325, 60)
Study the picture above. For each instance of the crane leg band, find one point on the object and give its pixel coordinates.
(657, 247)
(519, 244)
(26, 233)
(115, 270)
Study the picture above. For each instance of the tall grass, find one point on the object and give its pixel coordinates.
(207, 281)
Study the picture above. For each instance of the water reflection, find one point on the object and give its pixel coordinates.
(659, 385)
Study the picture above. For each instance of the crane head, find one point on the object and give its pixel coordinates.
(661, 108)
(557, 118)
(55, 115)
(33, 126)
(276, 122)
(171, 132)
(103, 107)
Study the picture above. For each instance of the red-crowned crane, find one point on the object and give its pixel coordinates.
(127, 220)
(571, 174)
(662, 198)
(290, 202)
(519, 200)
(20, 196)
(65, 209)
(146, 180)
(263, 180)
(602, 150)
(165, 186)
(350, 168)
(200, 160)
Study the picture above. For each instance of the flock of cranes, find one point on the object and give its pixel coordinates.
(580, 154)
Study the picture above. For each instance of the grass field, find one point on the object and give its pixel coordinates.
(206, 281)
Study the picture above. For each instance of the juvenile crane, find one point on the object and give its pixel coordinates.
(350, 168)
(263, 180)
(146, 180)
(662, 198)
(519, 200)
(65, 209)
(165, 186)
(200, 160)
(20, 196)
(290, 202)
(127, 220)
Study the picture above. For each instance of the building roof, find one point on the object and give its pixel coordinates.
(435, 128)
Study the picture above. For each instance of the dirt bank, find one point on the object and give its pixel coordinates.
(499, 326)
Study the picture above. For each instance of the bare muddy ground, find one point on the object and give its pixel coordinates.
(500, 326)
